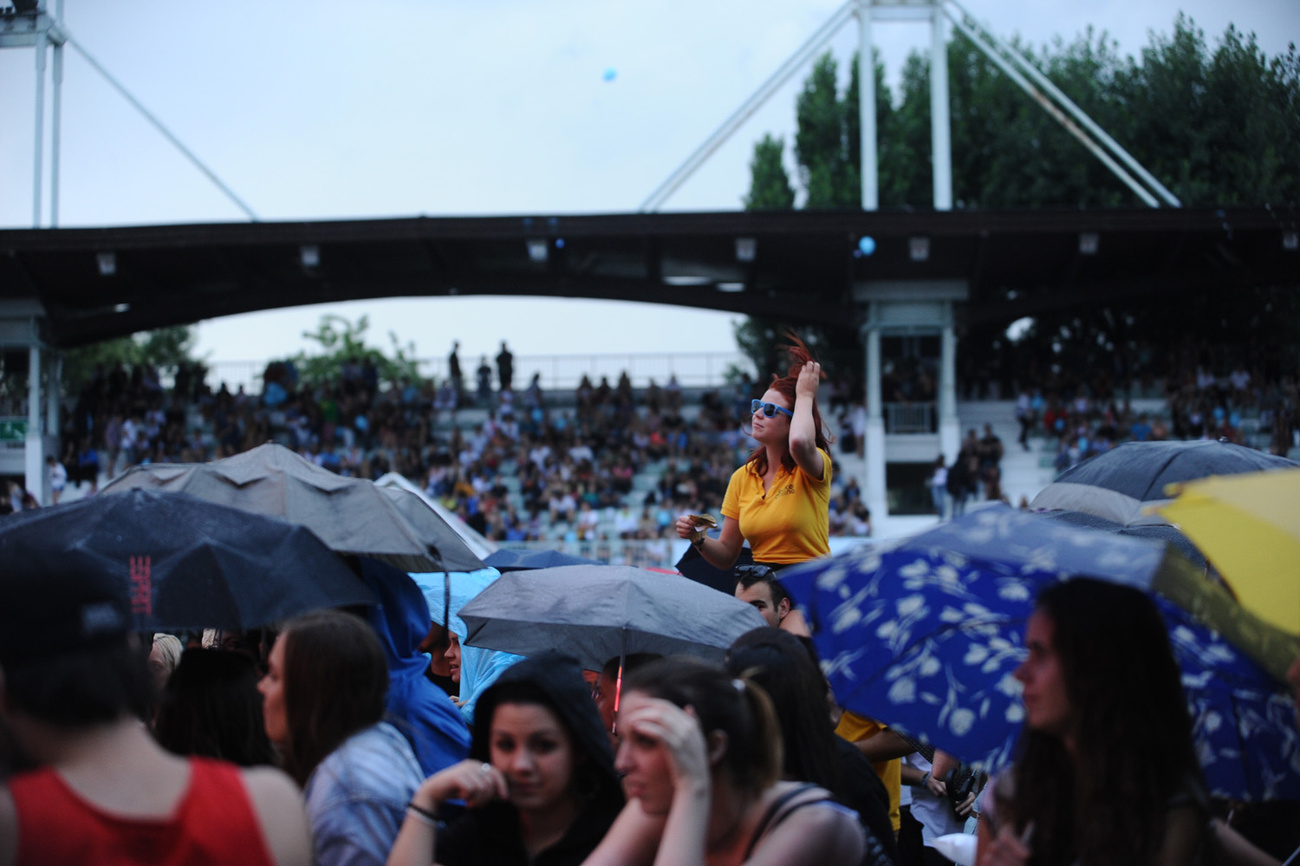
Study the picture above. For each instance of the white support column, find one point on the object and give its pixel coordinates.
(867, 108)
(940, 121)
(35, 452)
(874, 436)
(56, 124)
(53, 394)
(38, 171)
(949, 424)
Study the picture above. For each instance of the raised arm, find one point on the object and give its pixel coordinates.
(803, 432)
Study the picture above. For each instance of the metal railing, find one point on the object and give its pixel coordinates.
(641, 553)
(910, 418)
(692, 369)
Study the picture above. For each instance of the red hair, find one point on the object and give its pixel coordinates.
(785, 386)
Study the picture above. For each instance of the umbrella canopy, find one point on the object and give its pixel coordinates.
(924, 633)
(453, 553)
(184, 563)
(1116, 485)
(1153, 531)
(473, 539)
(1248, 526)
(510, 559)
(349, 514)
(599, 612)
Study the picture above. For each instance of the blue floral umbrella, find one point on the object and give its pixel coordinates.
(924, 634)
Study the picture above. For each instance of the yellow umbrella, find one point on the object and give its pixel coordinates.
(1248, 527)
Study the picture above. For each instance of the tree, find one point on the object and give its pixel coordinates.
(340, 341)
(769, 187)
(164, 349)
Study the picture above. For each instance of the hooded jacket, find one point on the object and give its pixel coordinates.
(491, 834)
(479, 667)
(421, 710)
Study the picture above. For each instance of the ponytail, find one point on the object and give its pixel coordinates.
(767, 731)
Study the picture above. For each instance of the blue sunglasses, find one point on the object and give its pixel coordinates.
(769, 409)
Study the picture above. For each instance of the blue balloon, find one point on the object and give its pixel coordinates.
(610, 74)
(867, 245)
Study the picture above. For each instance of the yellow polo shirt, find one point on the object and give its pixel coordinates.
(788, 524)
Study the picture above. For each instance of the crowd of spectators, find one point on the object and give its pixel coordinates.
(532, 466)
(517, 467)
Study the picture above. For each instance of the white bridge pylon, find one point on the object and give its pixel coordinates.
(937, 13)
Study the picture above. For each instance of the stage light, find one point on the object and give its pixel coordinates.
(310, 255)
(537, 250)
(746, 249)
(866, 245)
(107, 264)
(919, 248)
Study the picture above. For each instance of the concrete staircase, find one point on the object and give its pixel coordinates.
(1024, 473)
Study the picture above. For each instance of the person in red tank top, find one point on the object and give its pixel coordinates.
(75, 686)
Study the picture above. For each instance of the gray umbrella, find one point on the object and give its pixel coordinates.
(350, 515)
(1121, 484)
(600, 612)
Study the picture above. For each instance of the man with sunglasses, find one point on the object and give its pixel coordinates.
(779, 500)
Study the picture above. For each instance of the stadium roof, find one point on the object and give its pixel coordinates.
(800, 267)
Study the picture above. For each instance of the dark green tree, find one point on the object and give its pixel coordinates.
(341, 340)
(164, 349)
(769, 186)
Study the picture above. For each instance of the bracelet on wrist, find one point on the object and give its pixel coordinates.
(925, 780)
(423, 815)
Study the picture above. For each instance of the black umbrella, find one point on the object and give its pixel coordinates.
(184, 563)
(1120, 483)
(506, 559)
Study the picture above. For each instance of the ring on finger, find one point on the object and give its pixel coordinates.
(485, 767)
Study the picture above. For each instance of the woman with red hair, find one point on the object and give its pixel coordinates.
(779, 500)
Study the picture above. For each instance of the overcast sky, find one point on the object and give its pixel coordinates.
(391, 108)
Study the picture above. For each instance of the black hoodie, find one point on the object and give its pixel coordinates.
(490, 835)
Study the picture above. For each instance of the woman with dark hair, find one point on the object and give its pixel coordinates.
(780, 664)
(540, 782)
(211, 707)
(701, 759)
(1105, 771)
(322, 701)
(779, 500)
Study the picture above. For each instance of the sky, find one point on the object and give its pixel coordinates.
(393, 108)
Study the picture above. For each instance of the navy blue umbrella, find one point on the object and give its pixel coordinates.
(505, 560)
(182, 562)
(923, 633)
(1118, 484)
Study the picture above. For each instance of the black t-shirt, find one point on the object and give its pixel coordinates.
(490, 835)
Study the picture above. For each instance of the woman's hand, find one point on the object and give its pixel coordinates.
(685, 527)
(810, 376)
(678, 732)
(475, 782)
